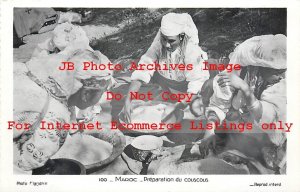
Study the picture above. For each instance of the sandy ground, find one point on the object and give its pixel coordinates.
(98, 32)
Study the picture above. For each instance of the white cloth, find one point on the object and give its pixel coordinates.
(69, 17)
(173, 24)
(196, 77)
(67, 33)
(262, 51)
(274, 101)
(84, 56)
(47, 67)
(66, 38)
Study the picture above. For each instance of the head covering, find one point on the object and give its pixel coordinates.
(64, 83)
(67, 33)
(92, 79)
(173, 24)
(262, 51)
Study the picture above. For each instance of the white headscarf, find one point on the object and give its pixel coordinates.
(263, 51)
(69, 81)
(173, 24)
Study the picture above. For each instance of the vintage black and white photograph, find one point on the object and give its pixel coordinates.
(149, 91)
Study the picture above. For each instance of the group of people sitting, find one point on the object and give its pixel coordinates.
(258, 90)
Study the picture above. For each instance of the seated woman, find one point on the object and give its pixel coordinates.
(176, 42)
(66, 38)
(259, 97)
(44, 93)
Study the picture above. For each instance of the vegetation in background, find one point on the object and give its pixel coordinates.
(219, 28)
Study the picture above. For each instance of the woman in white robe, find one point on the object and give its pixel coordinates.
(176, 42)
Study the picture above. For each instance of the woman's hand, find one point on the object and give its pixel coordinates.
(197, 107)
(232, 80)
(203, 146)
(207, 143)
